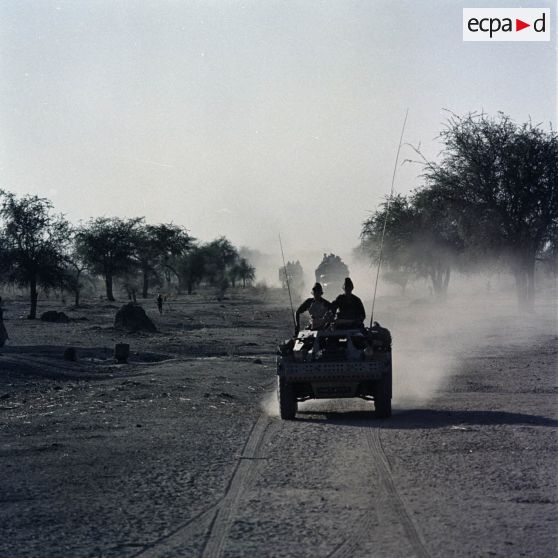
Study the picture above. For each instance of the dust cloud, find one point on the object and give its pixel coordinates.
(431, 338)
(270, 405)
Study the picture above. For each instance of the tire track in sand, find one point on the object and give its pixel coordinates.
(219, 515)
(347, 548)
(248, 463)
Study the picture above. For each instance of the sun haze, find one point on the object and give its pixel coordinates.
(243, 118)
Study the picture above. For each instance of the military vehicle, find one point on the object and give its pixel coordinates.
(292, 274)
(330, 273)
(335, 363)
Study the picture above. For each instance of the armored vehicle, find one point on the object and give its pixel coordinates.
(334, 363)
(292, 274)
(330, 273)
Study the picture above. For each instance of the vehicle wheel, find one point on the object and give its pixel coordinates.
(382, 398)
(287, 400)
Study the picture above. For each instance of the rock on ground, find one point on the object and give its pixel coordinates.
(132, 317)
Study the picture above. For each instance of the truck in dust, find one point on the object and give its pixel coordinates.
(330, 273)
(335, 363)
(292, 275)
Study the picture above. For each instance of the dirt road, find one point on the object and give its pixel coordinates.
(179, 453)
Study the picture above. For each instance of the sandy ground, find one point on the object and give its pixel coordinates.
(180, 452)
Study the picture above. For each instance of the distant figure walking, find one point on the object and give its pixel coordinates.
(160, 303)
(3, 333)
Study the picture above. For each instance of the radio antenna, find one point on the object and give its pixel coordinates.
(388, 205)
(287, 279)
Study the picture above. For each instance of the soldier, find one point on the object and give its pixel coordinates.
(317, 307)
(348, 309)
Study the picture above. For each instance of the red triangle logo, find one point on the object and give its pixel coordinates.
(519, 25)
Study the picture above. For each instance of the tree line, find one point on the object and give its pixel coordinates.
(491, 197)
(40, 249)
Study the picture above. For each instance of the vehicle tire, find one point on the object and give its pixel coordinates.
(382, 398)
(287, 400)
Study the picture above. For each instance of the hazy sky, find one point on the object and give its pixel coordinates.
(244, 118)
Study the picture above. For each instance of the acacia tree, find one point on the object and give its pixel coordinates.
(107, 245)
(191, 268)
(419, 238)
(34, 241)
(158, 248)
(233, 274)
(75, 266)
(246, 272)
(243, 271)
(499, 180)
(438, 241)
(219, 256)
(216, 263)
(399, 277)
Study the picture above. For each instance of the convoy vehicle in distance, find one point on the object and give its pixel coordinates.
(335, 363)
(330, 273)
(292, 275)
